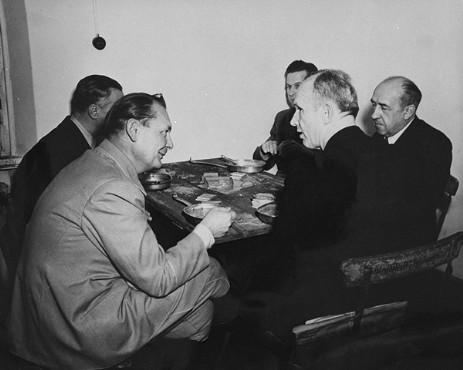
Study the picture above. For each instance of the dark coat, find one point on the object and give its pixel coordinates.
(301, 279)
(412, 174)
(39, 166)
(320, 190)
(368, 197)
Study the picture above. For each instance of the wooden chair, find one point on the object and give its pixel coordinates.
(328, 335)
(444, 203)
(363, 272)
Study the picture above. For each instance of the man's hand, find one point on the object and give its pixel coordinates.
(218, 220)
(268, 149)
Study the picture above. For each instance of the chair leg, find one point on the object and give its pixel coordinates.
(223, 347)
(291, 359)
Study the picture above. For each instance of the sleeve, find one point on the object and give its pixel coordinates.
(271, 161)
(435, 169)
(115, 219)
(298, 200)
(205, 234)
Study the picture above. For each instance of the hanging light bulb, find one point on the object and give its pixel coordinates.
(98, 42)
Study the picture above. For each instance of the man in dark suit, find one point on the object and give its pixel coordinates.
(81, 130)
(415, 160)
(316, 204)
(320, 189)
(282, 130)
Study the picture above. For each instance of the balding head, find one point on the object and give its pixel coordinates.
(394, 101)
(407, 91)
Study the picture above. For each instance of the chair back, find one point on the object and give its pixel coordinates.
(375, 319)
(384, 267)
(321, 342)
(444, 203)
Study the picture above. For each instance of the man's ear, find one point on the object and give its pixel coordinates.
(326, 112)
(132, 128)
(93, 111)
(409, 111)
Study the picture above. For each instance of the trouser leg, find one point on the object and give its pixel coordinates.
(196, 325)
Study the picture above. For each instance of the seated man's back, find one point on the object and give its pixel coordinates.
(91, 100)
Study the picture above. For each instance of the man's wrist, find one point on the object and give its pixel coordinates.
(205, 235)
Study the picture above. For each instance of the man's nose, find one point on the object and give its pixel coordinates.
(375, 113)
(170, 143)
(295, 119)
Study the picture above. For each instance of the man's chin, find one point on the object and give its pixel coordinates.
(380, 129)
(156, 165)
(307, 143)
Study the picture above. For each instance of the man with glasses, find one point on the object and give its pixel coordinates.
(282, 130)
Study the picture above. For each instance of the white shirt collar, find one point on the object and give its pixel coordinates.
(87, 135)
(392, 139)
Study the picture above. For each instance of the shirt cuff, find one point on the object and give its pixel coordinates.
(205, 235)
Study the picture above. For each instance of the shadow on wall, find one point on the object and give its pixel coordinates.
(364, 120)
(20, 74)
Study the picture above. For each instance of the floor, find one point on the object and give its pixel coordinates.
(242, 344)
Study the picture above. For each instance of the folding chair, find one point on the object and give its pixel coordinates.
(322, 343)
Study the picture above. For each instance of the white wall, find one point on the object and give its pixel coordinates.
(220, 63)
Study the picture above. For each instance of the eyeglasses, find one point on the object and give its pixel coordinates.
(160, 99)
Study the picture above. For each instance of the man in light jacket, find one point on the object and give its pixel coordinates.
(93, 285)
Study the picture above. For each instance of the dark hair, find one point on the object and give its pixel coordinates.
(90, 90)
(139, 106)
(410, 95)
(300, 65)
(336, 86)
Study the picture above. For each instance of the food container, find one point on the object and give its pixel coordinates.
(237, 165)
(194, 213)
(153, 181)
(268, 213)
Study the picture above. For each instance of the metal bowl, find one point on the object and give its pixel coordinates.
(196, 212)
(238, 165)
(246, 166)
(155, 181)
(268, 213)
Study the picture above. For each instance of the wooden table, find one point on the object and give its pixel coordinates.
(188, 183)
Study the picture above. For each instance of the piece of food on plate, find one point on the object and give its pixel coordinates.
(218, 182)
(264, 196)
